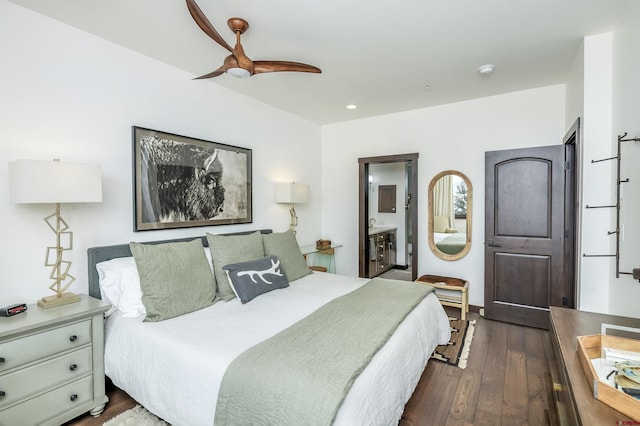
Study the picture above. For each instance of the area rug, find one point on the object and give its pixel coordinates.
(456, 352)
(136, 416)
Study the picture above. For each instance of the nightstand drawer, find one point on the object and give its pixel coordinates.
(31, 348)
(38, 410)
(39, 377)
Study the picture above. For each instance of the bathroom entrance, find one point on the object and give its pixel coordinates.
(387, 229)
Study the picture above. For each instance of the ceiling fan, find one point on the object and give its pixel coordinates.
(238, 64)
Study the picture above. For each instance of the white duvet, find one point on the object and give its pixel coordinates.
(174, 368)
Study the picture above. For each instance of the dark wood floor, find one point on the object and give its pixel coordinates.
(507, 381)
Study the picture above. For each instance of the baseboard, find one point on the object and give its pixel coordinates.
(474, 308)
(401, 267)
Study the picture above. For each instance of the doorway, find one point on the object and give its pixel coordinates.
(530, 232)
(405, 212)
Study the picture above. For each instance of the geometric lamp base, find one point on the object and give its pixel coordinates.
(53, 301)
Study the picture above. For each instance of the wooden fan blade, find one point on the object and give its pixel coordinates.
(276, 66)
(205, 25)
(212, 74)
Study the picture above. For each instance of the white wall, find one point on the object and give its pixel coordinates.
(603, 90)
(598, 185)
(625, 292)
(453, 136)
(70, 95)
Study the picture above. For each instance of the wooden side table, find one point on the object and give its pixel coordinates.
(451, 284)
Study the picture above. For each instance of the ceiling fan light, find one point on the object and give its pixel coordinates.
(238, 72)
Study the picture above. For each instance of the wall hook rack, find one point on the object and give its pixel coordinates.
(618, 158)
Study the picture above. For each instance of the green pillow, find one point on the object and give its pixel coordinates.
(286, 248)
(227, 249)
(175, 278)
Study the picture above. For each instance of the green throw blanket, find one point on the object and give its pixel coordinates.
(302, 374)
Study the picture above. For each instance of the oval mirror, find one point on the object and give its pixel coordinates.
(450, 206)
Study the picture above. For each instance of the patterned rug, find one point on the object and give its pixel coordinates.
(457, 350)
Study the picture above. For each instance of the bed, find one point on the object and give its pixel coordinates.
(178, 368)
(450, 243)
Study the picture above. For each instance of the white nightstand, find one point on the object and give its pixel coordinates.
(52, 363)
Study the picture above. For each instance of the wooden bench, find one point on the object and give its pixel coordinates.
(451, 284)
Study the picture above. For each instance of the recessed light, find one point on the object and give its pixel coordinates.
(486, 69)
(352, 106)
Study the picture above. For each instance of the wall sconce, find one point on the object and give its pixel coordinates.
(292, 193)
(54, 182)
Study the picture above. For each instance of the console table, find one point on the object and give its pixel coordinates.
(575, 403)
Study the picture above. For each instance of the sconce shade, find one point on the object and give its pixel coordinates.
(292, 193)
(35, 181)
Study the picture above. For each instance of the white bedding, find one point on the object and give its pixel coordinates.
(174, 368)
(439, 236)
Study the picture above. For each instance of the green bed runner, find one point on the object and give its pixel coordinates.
(302, 374)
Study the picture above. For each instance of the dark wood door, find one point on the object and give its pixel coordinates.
(525, 235)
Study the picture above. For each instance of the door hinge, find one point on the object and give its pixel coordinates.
(567, 165)
(565, 302)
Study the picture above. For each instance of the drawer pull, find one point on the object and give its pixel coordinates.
(2, 394)
(73, 338)
(73, 397)
(73, 367)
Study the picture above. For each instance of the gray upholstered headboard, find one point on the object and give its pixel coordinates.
(96, 255)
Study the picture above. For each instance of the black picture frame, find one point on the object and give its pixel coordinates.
(181, 182)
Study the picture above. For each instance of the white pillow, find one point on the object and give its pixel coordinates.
(207, 253)
(120, 286)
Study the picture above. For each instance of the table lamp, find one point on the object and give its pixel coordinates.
(55, 182)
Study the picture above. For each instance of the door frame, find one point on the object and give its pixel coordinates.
(573, 213)
(363, 208)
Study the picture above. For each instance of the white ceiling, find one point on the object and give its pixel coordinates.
(376, 54)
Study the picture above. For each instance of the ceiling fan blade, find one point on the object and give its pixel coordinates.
(205, 25)
(212, 74)
(276, 66)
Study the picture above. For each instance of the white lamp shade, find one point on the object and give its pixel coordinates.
(47, 182)
(292, 193)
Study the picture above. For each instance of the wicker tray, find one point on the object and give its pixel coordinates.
(590, 347)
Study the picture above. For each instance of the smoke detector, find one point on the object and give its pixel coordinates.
(486, 69)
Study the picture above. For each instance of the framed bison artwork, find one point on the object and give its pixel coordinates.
(182, 182)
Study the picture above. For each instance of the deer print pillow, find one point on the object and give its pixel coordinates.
(251, 279)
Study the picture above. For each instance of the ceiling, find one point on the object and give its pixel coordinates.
(376, 54)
